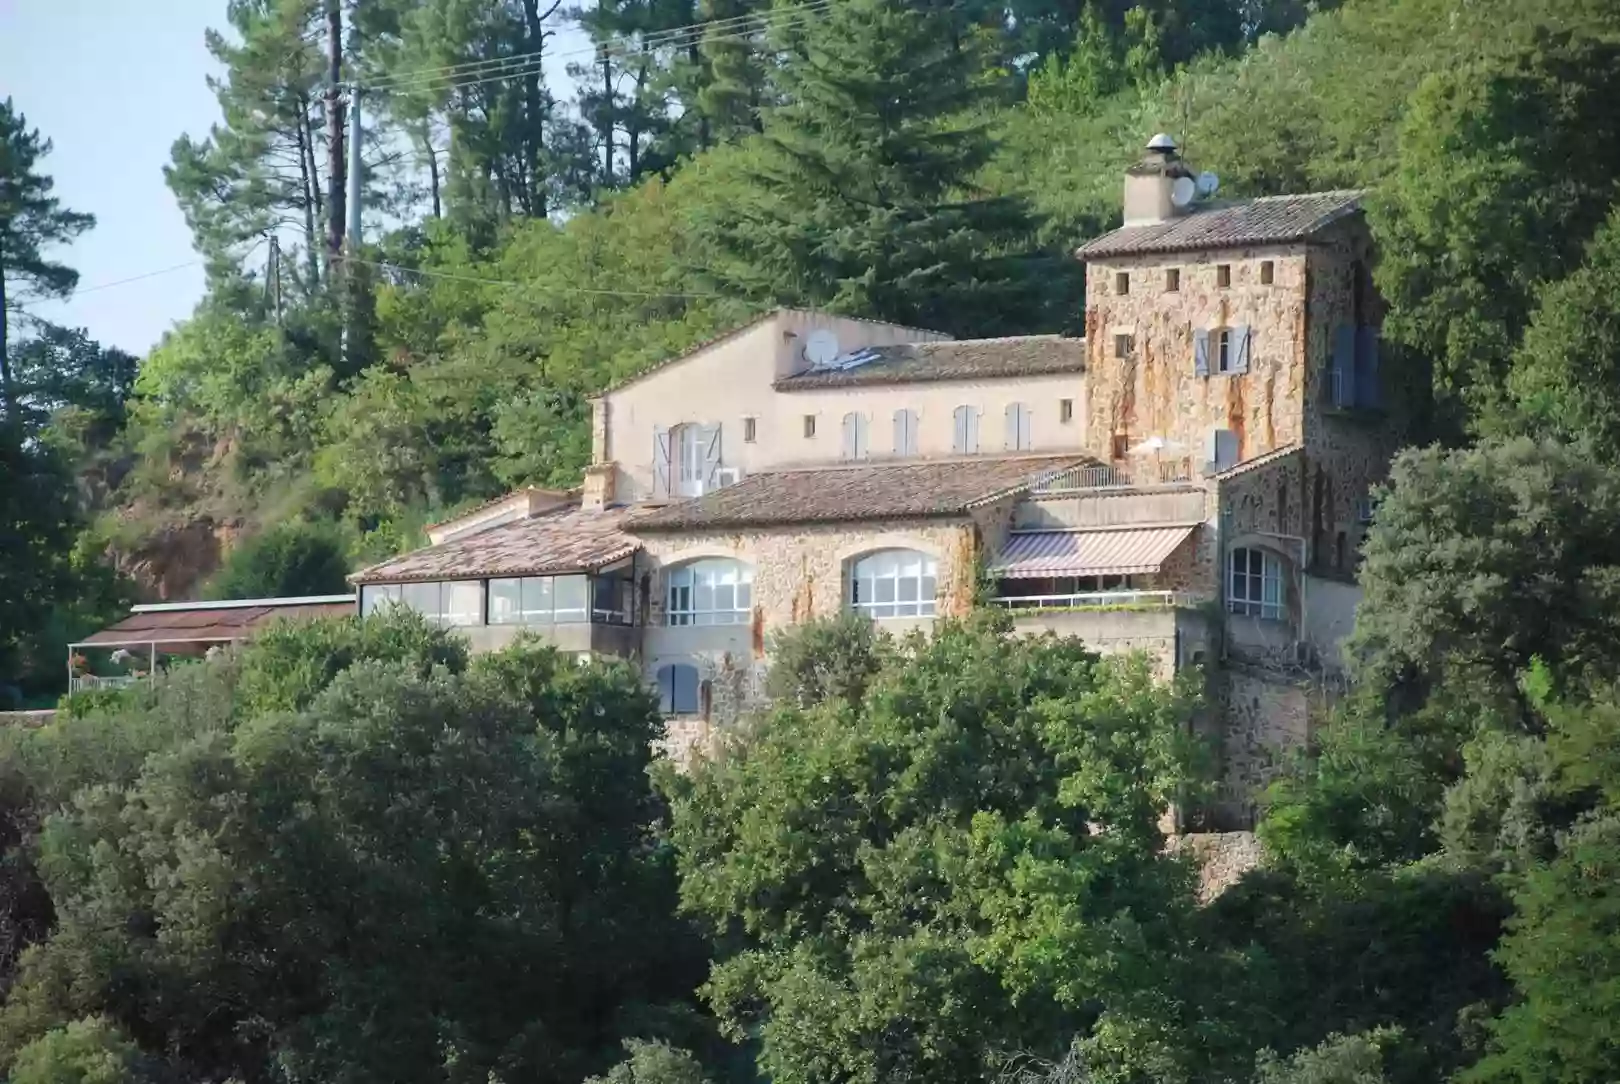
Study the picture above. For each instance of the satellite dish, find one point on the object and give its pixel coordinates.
(821, 347)
(1208, 183)
(1183, 191)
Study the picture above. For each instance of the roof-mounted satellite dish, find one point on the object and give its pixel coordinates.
(1183, 191)
(821, 348)
(1208, 183)
(1162, 142)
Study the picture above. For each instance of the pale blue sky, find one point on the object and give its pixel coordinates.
(112, 83)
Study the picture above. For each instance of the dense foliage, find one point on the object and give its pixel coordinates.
(350, 853)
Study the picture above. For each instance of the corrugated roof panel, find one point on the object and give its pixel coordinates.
(1089, 553)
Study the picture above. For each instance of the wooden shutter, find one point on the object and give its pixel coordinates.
(661, 450)
(1012, 427)
(1200, 352)
(1368, 389)
(905, 432)
(1240, 349)
(1344, 366)
(709, 441)
(1026, 438)
(852, 436)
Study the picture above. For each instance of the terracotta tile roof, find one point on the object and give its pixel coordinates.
(958, 359)
(1265, 221)
(566, 540)
(1261, 460)
(207, 624)
(1110, 552)
(866, 491)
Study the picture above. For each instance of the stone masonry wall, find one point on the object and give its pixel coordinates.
(1349, 450)
(1265, 716)
(1155, 392)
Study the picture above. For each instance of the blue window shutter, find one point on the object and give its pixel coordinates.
(1344, 366)
(661, 458)
(1200, 352)
(1240, 349)
(1368, 390)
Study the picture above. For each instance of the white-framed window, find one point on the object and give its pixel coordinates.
(455, 602)
(1020, 427)
(713, 591)
(854, 436)
(966, 439)
(678, 689)
(894, 583)
(1256, 584)
(1224, 360)
(376, 597)
(538, 600)
(905, 432)
(689, 460)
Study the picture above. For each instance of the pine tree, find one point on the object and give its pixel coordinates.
(31, 220)
(863, 199)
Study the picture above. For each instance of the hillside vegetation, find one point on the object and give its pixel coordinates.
(348, 852)
(488, 329)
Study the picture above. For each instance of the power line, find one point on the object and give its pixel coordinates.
(656, 40)
(473, 73)
(583, 290)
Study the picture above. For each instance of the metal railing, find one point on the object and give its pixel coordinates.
(81, 683)
(1117, 476)
(1097, 600)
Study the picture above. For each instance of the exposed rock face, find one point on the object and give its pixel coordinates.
(172, 563)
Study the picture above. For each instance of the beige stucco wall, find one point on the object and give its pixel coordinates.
(1171, 638)
(1156, 393)
(724, 383)
(935, 405)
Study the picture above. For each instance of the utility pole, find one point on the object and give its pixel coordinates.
(354, 169)
(336, 223)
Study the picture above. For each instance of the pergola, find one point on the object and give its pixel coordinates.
(192, 628)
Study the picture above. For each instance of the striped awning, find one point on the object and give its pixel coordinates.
(1116, 552)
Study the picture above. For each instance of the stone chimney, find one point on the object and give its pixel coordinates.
(597, 492)
(1148, 183)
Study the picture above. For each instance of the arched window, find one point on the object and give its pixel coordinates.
(894, 583)
(678, 689)
(854, 436)
(1019, 426)
(713, 591)
(1256, 588)
(966, 440)
(905, 432)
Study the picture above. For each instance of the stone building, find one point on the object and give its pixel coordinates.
(1191, 478)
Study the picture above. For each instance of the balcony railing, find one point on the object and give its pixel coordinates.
(1117, 476)
(82, 683)
(1100, 600)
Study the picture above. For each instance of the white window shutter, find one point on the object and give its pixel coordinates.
(1026, 421)
(661, 456)
(1201, 352)
(709, 441)
(1240, 349)
(1012, 427)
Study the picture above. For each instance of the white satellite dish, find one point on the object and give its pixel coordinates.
(1208, 183)
(821, 347)
(1183, 191)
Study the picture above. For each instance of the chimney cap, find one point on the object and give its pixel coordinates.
(1162, 143)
